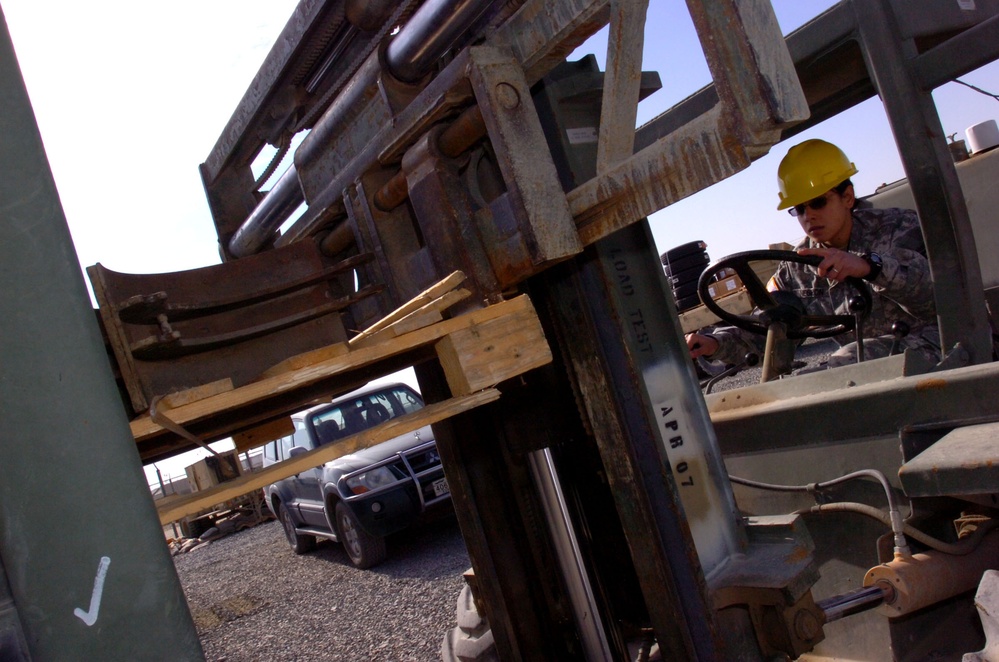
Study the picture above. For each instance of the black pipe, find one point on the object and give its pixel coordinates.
(854, 602)
(283, 198)
(434, 28)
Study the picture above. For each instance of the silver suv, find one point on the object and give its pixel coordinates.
(360, 498)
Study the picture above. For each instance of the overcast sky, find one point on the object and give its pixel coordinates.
(130, 98)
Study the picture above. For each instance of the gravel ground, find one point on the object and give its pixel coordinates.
(254, 600)
(812, 352)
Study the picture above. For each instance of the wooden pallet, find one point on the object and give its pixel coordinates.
(174, 507)
(477, 351)
(737, 303)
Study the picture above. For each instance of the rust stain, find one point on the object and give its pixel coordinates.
(799, 554)
(930, 384)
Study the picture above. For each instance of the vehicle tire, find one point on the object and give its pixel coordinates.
(472, 640)
(299, 544)
(364, 549)
(686, 303)
(685, 290)
(691, 275)
(682, 264)
(683, 250)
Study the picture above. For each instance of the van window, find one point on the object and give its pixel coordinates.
(409, 400)
(360, 413)
(286, 444)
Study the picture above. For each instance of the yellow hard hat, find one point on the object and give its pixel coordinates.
(809, 170)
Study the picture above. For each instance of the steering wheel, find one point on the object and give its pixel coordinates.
(776, 307)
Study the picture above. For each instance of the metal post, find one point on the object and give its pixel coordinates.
(659, 451)
(88, 568)
(943, 214)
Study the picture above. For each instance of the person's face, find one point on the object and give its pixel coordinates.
(828, 222)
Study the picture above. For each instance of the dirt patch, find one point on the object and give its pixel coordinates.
(210, 617)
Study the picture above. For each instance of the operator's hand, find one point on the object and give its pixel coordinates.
(701, 345)
(838, 265)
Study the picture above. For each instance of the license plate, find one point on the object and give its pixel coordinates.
(440, 487)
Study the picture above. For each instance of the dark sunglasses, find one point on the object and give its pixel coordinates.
(814, 205)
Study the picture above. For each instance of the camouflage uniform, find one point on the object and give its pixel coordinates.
(903, 291)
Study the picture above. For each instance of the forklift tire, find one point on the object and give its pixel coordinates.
(472, 640)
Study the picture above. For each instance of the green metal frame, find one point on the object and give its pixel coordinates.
(89, 572)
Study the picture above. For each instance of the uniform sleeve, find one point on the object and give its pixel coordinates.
(905, 277)
(734, 344)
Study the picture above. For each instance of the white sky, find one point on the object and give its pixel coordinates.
(130, 98)
(127, 115)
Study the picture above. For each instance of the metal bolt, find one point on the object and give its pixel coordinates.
(164, 324)
(806, 625)
(507, 96)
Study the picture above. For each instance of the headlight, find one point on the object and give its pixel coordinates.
(371, 480)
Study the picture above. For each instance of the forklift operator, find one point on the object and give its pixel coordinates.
(881, 246)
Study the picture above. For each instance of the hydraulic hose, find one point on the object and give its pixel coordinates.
(965, 546)
(894, 517)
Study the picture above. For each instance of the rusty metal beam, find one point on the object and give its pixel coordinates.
(522, 152)
(693, 157)
(308, 29)
(758, 95)
(542, 33)
(539, 35)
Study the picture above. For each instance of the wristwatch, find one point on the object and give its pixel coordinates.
(873, 260)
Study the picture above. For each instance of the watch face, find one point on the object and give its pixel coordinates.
(874, 260)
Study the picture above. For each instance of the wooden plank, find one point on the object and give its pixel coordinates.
(173, 508)
(262, 434)
(424, 316)
(143, 428)
(180, 398)
(622, 80)
(700, 317)
(485, 354)
(305, 359)
(417, 302)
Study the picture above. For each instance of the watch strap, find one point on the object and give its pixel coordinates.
(873, 261)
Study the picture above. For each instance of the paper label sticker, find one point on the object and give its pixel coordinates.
(581, 135)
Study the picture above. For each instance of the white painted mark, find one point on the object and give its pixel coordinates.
(90, 617)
